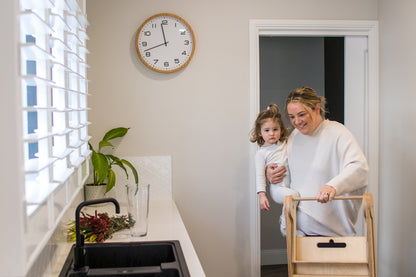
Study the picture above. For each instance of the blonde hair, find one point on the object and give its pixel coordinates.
(308, 97)
(272, 112)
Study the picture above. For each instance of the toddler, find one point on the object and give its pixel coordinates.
(270, 135)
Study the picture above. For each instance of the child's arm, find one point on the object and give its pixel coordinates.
(260, 164)
(263, 201)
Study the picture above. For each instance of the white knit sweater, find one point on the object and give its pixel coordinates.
(328, 156)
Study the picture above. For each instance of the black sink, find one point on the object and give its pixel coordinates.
(149, 258)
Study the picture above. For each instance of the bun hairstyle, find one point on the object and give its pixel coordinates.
(272, 112)
(308, 97)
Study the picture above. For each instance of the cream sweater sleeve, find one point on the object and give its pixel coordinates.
(353, 164)
(260, 164)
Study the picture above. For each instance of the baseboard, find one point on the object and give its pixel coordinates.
(273, 256)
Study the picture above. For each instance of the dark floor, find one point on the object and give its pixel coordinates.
(279, 270)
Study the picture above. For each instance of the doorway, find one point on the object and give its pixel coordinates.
(287, 63)
(365, 110)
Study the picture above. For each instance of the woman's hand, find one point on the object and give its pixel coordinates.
(326, 194)
(275, 174)
(263, 201)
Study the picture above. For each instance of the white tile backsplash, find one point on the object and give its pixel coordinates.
(153, 170)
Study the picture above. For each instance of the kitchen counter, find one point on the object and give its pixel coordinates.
(165, 223)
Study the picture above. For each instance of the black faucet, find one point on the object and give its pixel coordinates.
(79, 247)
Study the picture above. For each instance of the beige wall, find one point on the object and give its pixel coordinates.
(397, 240)
(11, 164)
(200, 116)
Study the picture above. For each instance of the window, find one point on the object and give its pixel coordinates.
(54, 106)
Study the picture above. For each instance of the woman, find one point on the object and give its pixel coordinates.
(324, 160)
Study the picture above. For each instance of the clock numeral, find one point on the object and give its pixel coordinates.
(147, 54)
(166, 64)
(164, 22)
(147, 33)
(184, 53)
(186, 42)
(144, 43)
(183, 32)
(155, 61)
(154, 26)
(176, 60)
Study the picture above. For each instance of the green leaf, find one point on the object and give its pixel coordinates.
(118, 162)
(115, 133)
(90, 146)
(103, 144)
(136, 176)
(101, 166)
(111, 180)
(113, 158)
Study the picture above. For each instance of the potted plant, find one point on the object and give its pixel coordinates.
(102, 163)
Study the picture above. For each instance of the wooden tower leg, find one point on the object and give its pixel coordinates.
(368, 207)
(290, 215)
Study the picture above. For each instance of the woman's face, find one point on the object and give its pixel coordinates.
(304, 118)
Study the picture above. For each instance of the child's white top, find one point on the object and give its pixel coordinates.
(266, 155)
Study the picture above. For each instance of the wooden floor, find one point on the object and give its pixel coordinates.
(274, 270)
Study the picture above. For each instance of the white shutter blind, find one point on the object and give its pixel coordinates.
(54, 106)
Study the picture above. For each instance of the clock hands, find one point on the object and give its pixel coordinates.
(163, 32)
(164, 43)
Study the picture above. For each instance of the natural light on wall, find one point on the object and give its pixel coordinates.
(54, 105)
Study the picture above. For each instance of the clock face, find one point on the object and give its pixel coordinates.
(165, 43)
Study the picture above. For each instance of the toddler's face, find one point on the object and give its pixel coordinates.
(270, 132)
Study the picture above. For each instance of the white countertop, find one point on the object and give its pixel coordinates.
(165, 223)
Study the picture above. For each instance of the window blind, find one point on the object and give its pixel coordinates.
(54, 88)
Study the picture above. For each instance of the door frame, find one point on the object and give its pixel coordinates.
(315, 28)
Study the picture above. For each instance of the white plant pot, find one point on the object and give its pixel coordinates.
(94, 192)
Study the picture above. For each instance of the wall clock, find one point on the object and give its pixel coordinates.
(165, 43)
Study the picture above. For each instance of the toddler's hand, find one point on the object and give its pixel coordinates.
(263, 201)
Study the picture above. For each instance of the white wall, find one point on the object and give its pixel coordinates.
(199, 116)
(11, 177)
(397, 236)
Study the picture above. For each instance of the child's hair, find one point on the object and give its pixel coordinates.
(272, 112)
